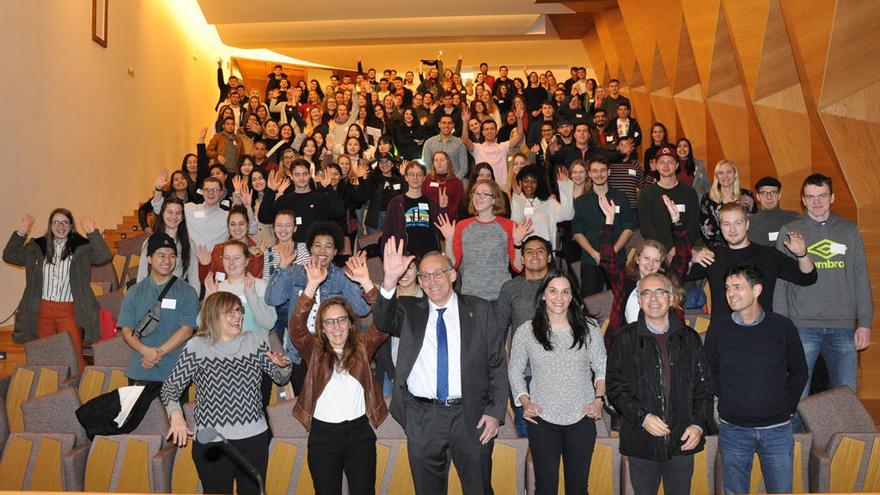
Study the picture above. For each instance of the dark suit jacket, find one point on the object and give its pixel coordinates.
(484, 386)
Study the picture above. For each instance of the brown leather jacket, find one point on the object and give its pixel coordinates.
(319, 367)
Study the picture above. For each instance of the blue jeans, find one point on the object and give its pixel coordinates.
(775, 449)
(838, 349)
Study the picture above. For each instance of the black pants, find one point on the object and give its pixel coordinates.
(676, 473)
(574, 443)
(298, 376)
(217, 470)
(592, 279)
(437, 434)
(348, 447)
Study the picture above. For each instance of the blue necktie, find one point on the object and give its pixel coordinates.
(442, 358)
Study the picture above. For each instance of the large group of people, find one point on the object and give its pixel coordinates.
(497, 205)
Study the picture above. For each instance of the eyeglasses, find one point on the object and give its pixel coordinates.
(61, 223)
(211, 190)
(335, 322)
(427, 277)
(235, 311)
(658, 293)
(768, 193)
(484, 195)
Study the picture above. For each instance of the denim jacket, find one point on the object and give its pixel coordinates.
(286, 285)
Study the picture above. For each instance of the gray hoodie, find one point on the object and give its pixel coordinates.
(841, 297)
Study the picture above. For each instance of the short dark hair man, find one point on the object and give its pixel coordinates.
(759, 371)
(765, 224)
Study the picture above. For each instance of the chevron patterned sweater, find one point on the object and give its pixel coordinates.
(227, 377)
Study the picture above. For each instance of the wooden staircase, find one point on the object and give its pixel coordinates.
(128, 228)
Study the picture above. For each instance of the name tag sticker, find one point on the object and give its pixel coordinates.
(395, 187)
(169, 303)
(616, 208)
(434, 184)
(299, 220)
(528, 211)
(609, 138)
(219, 276)
(632, 172)
(836, 248)
(772, 236)
(199, 214)
(635, 134)
(423, 206)
(680, 208)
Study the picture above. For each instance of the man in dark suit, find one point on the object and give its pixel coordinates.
(451, 387)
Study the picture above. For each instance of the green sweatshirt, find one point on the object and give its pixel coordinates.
(841, 297)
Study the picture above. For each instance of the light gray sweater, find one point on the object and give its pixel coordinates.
(562, 379)
(841, 297)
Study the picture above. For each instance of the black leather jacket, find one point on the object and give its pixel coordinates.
(635, 388)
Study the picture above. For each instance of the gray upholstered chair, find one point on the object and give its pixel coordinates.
(47, 462)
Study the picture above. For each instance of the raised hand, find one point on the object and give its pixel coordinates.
(672, 208)
(562, 174)
(273, 180)
(356, 270)
(465, 114)
(24, 225)
(522, 231)
(443, 199)
(394, 263)
(362, 170)
(221, 159)
(704, 257)
(445, 227)
(88, 224)
(285, 183)
(246, 195)
(519, 113)
(796, 243)
(516, 187)
(203, 255)
(203, 133)
(162, 179)
(211, 284)
(315, 275)
(249, 281)
(403, 166)
(608, 208)
(236, 183)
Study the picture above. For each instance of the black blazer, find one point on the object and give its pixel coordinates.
(484, 386)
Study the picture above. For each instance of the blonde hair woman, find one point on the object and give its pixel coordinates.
(725, 189)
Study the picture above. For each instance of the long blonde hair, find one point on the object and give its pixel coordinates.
(715, 191)
(215, 307)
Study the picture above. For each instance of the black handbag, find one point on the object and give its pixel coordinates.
(150, 321)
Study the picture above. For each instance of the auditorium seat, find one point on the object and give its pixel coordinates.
(112, 352)
(55, 350)
(155, 422)
(42, 462)
(129, 248)
(288, 471)
(703, 478)
(599, 305)
(4, 423)
(802, 444)
(55, 413)
(112, 302)
(846, 446)
(184, 477)
(97, 380)
(28, 382)
(129, 464)
(605, 469)
(104, 276)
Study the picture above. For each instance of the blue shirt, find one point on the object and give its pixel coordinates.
(138, 300)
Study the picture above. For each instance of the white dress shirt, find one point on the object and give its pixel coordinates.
(422, 380)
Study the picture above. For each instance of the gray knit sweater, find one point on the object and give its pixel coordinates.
(227, 377)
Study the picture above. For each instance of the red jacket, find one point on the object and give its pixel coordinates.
(254, 267)
(454, 191)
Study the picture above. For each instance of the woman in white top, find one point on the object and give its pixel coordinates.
(533, 200)
(340, 402)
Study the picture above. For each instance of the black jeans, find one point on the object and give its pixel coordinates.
(574, 443)
(217, 471)
(676, 473)
(348, 447)
(593, 279)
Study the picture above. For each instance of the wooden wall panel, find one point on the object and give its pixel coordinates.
(746, 22)
(594, 52)
(701, 21)
(810, 35)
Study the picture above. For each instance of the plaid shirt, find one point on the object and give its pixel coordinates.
(617, 273)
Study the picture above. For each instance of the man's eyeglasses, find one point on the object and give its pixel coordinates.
(427, 277)
(647, 293)
(211, 190)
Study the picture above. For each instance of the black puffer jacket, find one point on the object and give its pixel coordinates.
(634, 381)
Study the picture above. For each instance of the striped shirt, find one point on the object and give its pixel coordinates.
(56, 276)
(629, 178)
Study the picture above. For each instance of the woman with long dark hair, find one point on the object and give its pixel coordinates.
(172, 221)
(564, 348)
(340, 402)
(659, 139)
(690, 170)
(58, 296)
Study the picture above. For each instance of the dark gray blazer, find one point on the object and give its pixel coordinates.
(484, 386)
